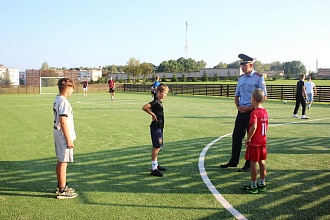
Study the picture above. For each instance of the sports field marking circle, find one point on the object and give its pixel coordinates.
(208, 182)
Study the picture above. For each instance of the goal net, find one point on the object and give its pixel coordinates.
(48, 85)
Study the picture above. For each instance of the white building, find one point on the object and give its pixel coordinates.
(89, 75)
(3, 71)
(13, 76)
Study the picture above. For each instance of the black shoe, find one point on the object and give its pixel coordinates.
(156, 173)
(244, 169)
(161, 168)
(227, 165)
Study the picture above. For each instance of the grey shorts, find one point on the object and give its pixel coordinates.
(63, 153)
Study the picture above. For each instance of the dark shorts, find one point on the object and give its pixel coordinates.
(156, 137)
(111, 90)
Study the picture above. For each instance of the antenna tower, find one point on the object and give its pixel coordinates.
(186, 47)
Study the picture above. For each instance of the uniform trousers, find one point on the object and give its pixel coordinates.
(240, 129)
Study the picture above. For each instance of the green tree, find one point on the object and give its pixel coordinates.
(183, 78)
(205, 78)
(221, 65)
(146, 70)
(44, 66)
(133, 69)
(216, 77)
(174, 78)
(234, 65)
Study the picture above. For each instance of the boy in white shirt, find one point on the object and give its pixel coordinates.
(311, 91)
(64, 135)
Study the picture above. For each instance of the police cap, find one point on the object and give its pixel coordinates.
(245, 59)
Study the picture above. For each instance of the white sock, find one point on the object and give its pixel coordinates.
(154, 165)
(262, 181)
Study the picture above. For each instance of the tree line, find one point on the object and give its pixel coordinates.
(136, 69)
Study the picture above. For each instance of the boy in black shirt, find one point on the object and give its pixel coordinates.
(155, 109)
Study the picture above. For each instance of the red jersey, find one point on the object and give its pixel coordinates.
(259, 116)
(111, 83)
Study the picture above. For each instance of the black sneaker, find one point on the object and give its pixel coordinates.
(250, 189)
(161, 168)
(156, 173)
(227, 165)
(244, 169)
(261, 187)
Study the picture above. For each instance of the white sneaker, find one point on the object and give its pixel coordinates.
(295, 116)
(304, 117)
(66, 195)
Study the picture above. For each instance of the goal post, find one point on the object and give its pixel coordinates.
(48, 85)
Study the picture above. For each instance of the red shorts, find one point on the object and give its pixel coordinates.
(256, 153)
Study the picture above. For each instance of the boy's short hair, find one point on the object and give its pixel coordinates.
(64, 83)
(162, 87)
(258, 95)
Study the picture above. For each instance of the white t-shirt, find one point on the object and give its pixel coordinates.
(62, 107)
(309, 87)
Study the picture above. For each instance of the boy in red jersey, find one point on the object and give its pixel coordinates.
(111, 84)
(256, 141)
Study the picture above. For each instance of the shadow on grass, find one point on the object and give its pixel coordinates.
(291, 194)
(298, 177)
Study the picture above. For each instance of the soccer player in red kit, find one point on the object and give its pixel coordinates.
(111, 84)
(256, 141)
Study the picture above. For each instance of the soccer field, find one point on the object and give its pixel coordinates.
(112, 161)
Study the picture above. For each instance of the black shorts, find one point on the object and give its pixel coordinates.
(156, 137)
(111, 90)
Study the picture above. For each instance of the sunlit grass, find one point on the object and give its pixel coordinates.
(112, 160)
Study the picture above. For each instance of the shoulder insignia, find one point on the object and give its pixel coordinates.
(258, 74)
(241, 75)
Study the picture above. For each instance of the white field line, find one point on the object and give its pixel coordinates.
(208, 182)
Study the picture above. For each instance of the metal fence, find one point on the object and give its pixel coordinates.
(281, 92)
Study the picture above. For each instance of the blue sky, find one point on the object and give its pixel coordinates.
(68, 33)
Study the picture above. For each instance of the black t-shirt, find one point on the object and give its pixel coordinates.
(158, 110)
(300, 85)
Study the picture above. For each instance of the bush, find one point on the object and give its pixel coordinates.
(183, 78)
(204, 78)
(216, 77)
(164, 78)
(174, 78)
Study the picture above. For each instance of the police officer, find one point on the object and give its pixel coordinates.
(247, 82)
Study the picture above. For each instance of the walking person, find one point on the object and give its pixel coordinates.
(301, 97)
(310, 90)
(247, 82)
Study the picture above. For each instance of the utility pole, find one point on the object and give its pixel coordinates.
(186, 47)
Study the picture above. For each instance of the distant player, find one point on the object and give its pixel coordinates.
(256, 141)
(310, 90)
(64, 135)
(111, 84)
(85, 85)
(154, 87)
